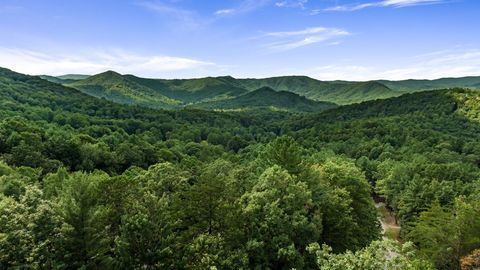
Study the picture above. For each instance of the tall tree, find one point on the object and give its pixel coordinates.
(444, 235)
(285, 152)
(278, 227)
(89, 240)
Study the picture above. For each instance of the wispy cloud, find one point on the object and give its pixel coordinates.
(295, 39)
(292, 3)
(244, 7)
(225, 11)
(91, 62)
(384, 3)
(449, 63)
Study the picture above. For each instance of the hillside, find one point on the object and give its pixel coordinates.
(339, 92)
(120, 89)
(421, 85)
(193, 90)
(266, 97)
(462, 103)
(64, 79)
(75, 77)
(57, 79)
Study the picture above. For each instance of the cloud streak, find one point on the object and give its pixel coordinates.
(450, 63)
(244, 7)
(384, 3)
(292, 4)
(289, 40)
(33, 62)
(224, 11)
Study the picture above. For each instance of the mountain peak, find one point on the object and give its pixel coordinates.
(109, 73)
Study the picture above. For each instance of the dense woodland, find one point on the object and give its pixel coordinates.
(90, 184)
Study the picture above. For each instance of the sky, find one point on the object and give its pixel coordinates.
(323, 39)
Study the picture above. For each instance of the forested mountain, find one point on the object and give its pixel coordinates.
(75, 77)
(422, 85)
(161, 93)
(64, 79)
(117, 88)
(210, 93)
(93, 184)
(266, 97)
(68, 112)
(339, 92)
(194, 90)
(56, 79)
(208, 89)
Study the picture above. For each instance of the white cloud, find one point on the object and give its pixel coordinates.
(384, 3)
(251, 5)
(448, 63)
(451, 63)
(312, 30)
(407, 3)
(32, 62)
(244, 7)
(292, 3)
(295, 39)
(225, 11)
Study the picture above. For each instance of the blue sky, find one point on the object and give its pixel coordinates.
(324, 39)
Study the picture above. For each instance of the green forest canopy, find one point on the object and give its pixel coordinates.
(87, 183)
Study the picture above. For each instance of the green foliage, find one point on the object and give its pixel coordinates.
(384, 254)
(279, 226)
(90, 184)
(50, 126)
(33, 234)
(88, 240)
(285, 152)
(348, 178)
(445, 235)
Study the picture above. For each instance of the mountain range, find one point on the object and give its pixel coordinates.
(227, 93)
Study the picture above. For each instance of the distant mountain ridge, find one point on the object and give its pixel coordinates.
(266, 97)
(339, 92)
(206, 93)
(209, 91)
(64, 79)
(422, 85)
